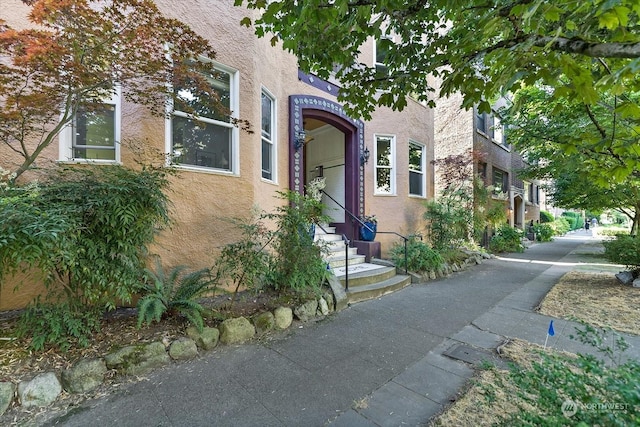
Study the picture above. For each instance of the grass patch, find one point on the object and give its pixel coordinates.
(596, 298)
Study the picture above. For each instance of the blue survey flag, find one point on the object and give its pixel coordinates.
(551, 332)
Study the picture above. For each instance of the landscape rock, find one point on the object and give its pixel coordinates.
(42, 390)
(328, 297)
(283, 317)
(323, 307)
(625, 277)
(7, 390)
(432, 275)
(636, 283)
(234, 331)
(207, 339)
(306, 311)
(264, 322)
(183, 348)
(138, 359)
(84, 376)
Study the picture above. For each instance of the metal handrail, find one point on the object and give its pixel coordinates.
(353, 217)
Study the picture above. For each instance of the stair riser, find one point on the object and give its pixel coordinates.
(341, 262)
(369, 279)
(354, 295)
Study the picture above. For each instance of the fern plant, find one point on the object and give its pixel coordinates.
(168, 294)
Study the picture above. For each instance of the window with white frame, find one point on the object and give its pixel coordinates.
(385, 162)
(382, 48)
(201, 136)
(93, 133)
(498, 131)
(417, 169)
(268, 129)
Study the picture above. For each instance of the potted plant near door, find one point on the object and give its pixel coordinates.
(369, 228)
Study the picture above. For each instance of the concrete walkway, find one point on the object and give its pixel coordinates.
(396, 360)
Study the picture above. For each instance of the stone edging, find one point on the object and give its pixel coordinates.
(88, 374)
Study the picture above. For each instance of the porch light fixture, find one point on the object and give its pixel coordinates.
(364, 157)
(299, 140)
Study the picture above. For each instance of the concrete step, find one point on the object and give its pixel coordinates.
(369, 276)
(375, 290)
(339, 261)
(327, 230)
(329, 238)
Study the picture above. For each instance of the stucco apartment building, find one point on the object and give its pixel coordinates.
(300, 132)
(460, 131)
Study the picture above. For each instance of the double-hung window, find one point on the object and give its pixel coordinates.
(417, 167)
(385, 162)
(93, 133)
(382, 48)
(268, 137)
(201, 136)
(481, 119)
(500, 181)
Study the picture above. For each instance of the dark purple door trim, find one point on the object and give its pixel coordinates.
(305, 106)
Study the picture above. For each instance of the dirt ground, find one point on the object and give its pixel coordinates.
(118, 329)
(596, 298)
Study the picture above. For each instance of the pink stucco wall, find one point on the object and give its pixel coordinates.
(202, 199)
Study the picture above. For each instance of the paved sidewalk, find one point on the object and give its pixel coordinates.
(384, 362)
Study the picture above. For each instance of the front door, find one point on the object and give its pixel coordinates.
(330, 147)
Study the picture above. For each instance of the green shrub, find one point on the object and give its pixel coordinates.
(449, 223)
(546, 217)
(574, 219)
(506, 239)
(560, 226)
(624, 249)
(173, 293)
(247, 261)
(589, 383)
(62, 324)
(87, 229)
(420, 257)
(297, 262)
(544, 232)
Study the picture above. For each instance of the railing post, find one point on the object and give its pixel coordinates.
(346, 263)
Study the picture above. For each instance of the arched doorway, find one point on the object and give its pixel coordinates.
(346, 171)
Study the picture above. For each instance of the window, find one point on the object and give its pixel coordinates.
(268, 129)
(480, 121)
(209, 139)
(94, 133)
(417, 166)
(500, 181)
(382, 48)
(498, 131)
(385, 155)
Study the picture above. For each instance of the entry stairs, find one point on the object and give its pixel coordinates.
(367, 280)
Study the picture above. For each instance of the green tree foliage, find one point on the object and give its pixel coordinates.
(77, 53)
(87, 230)
(477, 48)
(590, 153)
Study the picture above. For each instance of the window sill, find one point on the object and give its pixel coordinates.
(88, 162)
(505, 148)
(384, 195)
(268, 181)
(416, 196)
(188, 168)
